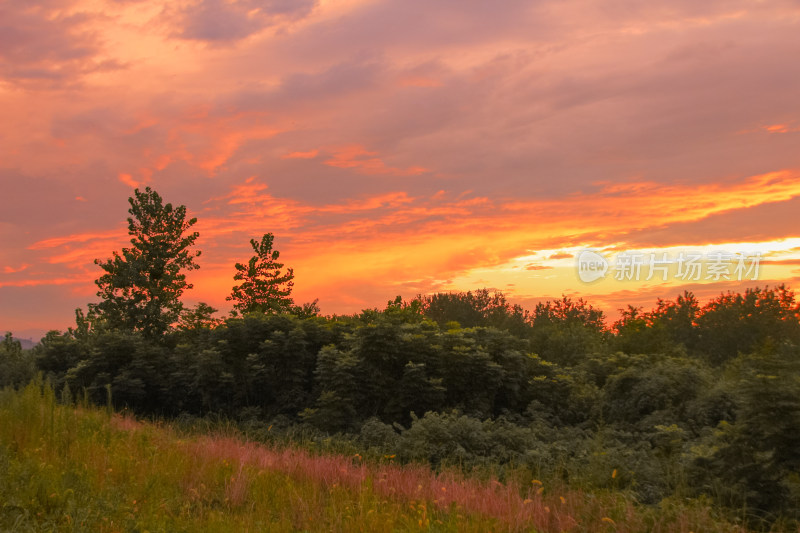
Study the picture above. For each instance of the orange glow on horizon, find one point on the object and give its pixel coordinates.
(391, 153)
(441, 237)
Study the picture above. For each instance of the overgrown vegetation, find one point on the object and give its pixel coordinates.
(682, 401)
(66, 466)
(68, 469)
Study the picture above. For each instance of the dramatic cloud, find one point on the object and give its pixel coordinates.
(396, 147)
(48, 44)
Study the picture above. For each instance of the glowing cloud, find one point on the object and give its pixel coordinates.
(357, 157)
(128, 180)
(391, 152)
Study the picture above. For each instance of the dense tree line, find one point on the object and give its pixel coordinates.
(682, 400)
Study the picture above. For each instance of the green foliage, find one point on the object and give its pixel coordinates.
(306, 310)
(375, 435)
(58, 353)
(69, 470)
(757, 458)
(453, 438)
(656, 393)
(338, 379)
(135, 367)
(16, 366)
(663, 405)
(678, 402)
(560, 396)
(200, 317)
(417, 393)
(264, 288)
(10, 346)
(668, 328)
(470, 375)
(445, 436)
(565, 331)
(637, 332)
(281, 371)
(677, 319)
(142, 286)
(735, 324)
(80, 470)
(473, 309)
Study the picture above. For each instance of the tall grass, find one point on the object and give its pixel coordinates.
(66, 467)
(73, 468)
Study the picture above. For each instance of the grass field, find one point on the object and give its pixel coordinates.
(78, 468)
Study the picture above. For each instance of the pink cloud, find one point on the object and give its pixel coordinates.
(418, 81)
(311, 154)
(357, 157)
(44, 46)
(218, 21)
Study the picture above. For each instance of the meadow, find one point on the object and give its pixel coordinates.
(69, 466)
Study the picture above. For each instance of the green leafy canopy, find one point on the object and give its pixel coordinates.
(142, 286)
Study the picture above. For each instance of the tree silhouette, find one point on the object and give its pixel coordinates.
(264, 288)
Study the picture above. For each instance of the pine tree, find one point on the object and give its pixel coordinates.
(264, 288)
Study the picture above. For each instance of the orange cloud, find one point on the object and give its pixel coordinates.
(12, 270)
(255, 212)
(72, 280)
(128, 180)
(75, 238)
(396, 243)
(626, 206)
(78, 251)
(502, 233)
(484, 237)
(208, 141)
(781, 128)
(392, 199)
(781, 262)
(193, 134)
(311, 154)
(357, 157)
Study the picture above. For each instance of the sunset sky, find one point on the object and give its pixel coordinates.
(400, 147)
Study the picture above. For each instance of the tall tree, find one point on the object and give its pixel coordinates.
(264, 288)
(142, 286)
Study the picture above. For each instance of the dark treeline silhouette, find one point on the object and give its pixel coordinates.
(680, 401)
